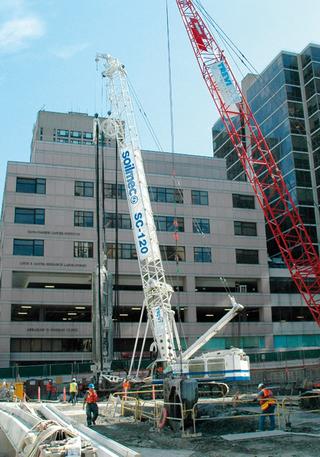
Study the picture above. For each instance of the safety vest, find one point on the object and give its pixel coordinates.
(92, 396)
(126, 384)
(267, 399)
(73, 387)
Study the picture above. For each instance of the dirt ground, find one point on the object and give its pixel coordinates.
(211, 444)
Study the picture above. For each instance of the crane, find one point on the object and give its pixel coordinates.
(157, 292)
(264, 175)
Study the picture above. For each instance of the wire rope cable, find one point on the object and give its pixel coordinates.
(172, 135)
(226, 39)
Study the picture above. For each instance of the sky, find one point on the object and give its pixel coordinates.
(48, 49)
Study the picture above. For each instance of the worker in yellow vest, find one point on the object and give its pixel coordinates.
(267, 405)
(73, 391)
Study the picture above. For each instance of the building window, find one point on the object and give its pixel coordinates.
(291, 314)
(28, 247)
(50, 313)
(62, 132)
(51, 345)
(83, 189)
(126, 251)
(202, 254)
(173, 253)
(88, 135)
(165, 195)
(217, 343)
(75, 134)
(110, 191)
(169, 223)
(31, 185)
(245, 228)
(249, 256)
(83, 249)
(29, 216)
(83, 218)
(124, 221)
(199, 197)
(200, 225)
(243, 201)
(296, 341)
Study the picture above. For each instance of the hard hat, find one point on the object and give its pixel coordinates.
(260, 385)
(73, 379)
(91, 386)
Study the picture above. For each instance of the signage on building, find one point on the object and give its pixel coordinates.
(48, 232)
(52, 264)
(58, 330)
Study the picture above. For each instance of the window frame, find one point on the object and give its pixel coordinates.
(82, 218)
(37, 247)
(238, 201)
(202, 254)
(169, 223)
(199, 197)
(242, 259)
(245, 228)
(201, 225)
(36, 185)
(85, 186)
(36, 216)
(82, 249)
(165, 194)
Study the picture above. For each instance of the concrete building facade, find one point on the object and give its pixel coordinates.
(49, 247)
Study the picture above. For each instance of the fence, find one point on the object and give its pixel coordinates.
(45, 371)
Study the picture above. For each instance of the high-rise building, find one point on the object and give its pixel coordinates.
(285, 101)
(209, 228)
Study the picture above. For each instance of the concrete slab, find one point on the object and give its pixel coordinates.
(148, 451)
(253, 435)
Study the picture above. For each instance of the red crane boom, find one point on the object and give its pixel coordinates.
(281, 214)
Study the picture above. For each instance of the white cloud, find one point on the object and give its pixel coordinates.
(68, 51)
(15, 34)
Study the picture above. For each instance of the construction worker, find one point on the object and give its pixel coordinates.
(73, 391)
(267, 405)
(3, 390)
(50, 389)
(125, 387)
(90, 400)
(12, 393)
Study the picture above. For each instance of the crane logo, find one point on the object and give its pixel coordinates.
(158, 315)
(225, 74)
(224, 83)
(128, 168)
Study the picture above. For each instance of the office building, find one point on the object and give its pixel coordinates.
(285, 101)
(208, 227)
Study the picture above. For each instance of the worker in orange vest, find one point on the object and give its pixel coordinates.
(50, 390)
(90, 400)
(267, 405)
(126, 387)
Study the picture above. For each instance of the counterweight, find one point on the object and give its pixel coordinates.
(281, 214)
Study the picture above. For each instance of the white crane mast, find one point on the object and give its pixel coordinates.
(157, 293)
